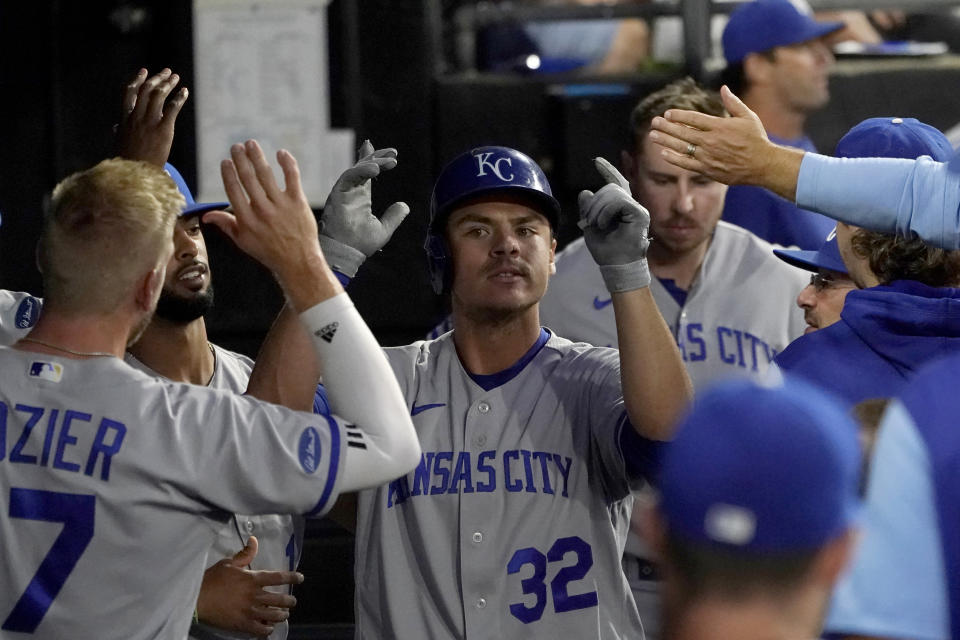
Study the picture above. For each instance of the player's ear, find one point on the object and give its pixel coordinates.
(834, 557)
(756, 68)
(149, 287)
(628, 166)
(553, 254)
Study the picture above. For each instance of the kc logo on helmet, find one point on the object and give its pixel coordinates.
(483, 163)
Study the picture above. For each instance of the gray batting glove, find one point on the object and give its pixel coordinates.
(349, 232)
(615, 230)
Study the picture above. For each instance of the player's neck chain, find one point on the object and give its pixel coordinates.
(86, 354)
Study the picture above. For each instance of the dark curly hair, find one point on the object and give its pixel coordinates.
(902, 258)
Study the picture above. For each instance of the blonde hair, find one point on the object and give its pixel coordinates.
(105, 228)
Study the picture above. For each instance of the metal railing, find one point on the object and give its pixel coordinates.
(470, 19)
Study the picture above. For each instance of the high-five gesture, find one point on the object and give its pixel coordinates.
(732, 150)
(273, 225)
(149, 112)
(350, 232)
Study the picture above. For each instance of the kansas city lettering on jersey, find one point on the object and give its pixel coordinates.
(48, 438)
(515, 470)
(734, 347)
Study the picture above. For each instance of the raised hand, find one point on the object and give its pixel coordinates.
(350, 232)
(615, 231)
(149, 113)
(732, 150)
(274, 226)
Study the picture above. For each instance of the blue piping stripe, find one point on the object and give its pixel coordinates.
(334, 466)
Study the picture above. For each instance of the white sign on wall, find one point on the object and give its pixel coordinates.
(261, 72)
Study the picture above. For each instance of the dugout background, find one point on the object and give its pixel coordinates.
(62, 64)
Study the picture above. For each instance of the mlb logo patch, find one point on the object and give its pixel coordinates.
(51, 371)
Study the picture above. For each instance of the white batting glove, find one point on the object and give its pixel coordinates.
(349, 232)
(615, 229)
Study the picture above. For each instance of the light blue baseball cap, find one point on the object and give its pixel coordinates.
(762, 469)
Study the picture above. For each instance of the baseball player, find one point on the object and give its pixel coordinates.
(174, 345)
(779, 60)
(757, 514)
(725, 296)
(891, 196)
(513, 523)
(233, 602)
(110, 495)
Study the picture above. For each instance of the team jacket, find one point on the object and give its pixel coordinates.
(884, 335)
(739, 313)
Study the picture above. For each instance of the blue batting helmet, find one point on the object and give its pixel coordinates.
(480, 172)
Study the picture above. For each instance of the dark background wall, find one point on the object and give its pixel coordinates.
(62, 64)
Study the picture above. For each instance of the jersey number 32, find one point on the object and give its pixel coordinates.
(535, 585)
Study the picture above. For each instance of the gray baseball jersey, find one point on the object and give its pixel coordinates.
(739, 313)
(514, 522)
(111, 496)
(18, 313)
(280, 537)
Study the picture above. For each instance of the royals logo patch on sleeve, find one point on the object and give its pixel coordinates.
(51, 371)
(28, 311)
(309, 449)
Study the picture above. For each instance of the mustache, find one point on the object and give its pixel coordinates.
(499, 264)
(204, 267)
(679, 218)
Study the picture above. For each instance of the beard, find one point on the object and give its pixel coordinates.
(180, 310)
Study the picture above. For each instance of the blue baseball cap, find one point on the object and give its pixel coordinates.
(762, 469)
(761, 25)
(894, 138)
(192, 208)
(826, 257)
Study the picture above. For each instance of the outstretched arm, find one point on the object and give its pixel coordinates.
(286, 372)
(656, 387)
(882, 194)
(732, 150)
(276, 227)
